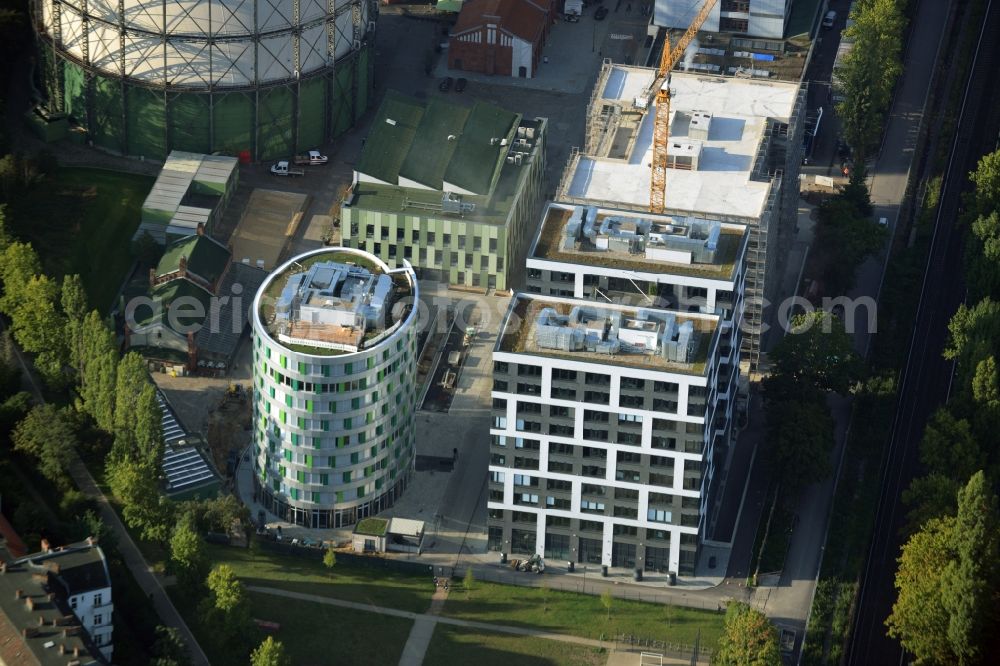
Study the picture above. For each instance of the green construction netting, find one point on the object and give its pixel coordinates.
(312, 98)
(189, 122)
(340, 106)
(74, 91)
(233, 115)
(147, 123)
(106, 129)
(274, 123)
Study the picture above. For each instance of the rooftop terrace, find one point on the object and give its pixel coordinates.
(333, 302)
(646, 242)
(581, 330)
(717, 127)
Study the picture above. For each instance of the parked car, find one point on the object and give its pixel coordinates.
(282, 169)
(601, 13)
(883, 222)
(829, 19)
(445, 84)
(460, 84)
(313, 157)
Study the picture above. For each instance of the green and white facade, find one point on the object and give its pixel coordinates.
(454, 190)
(334, 358)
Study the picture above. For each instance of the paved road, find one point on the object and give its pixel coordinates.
(926, 375)
(134, 560)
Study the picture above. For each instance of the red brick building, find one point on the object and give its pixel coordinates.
(502, 37)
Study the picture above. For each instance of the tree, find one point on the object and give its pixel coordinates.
(98, 370)
(982, 253)
(969, 582)
(40, 328)
(607, 600)
(18, 264)
(148, 432)
(929, 496)
(169, 648)
(816, 356)
(143, 506)
(949, 447)
(187, 554)
(748, 639)
(73, 300)
(270, 653)
(869, 72)
(91, 524)
(986, 178)
(848, 234)
(130, 382)
(919, 620)
(973, 334)
(227, 608)
(47, 435)
(330, 558)
(801, 440)
(10, 368)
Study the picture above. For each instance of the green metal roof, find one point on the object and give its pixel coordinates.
(477, 160)
(205, 257)
(391, 135)
(431, 150)
(165, 294)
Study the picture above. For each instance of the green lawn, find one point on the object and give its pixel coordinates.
(351, 583)
(582, 614)
(319, 634)
(458, 645)
(82, 221)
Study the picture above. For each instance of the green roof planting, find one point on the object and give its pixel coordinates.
(434, 143)
(205, 257)
(478, 158)
(391, 135)
(372, 526)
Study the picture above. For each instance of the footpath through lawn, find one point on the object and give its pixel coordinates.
(458, 645)
(379, 587)
(582, 614)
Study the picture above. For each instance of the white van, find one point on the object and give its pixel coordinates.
(829, 19)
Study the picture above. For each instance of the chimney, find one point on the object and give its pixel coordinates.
(41, 621)
(62, 648)
(45, 546)
(91, 541)
(18, 594)
(76, 650)
(152, 277)
(201, 229)
(52, 597)
(29, 632)
(3, 567)
(29, 603)
(182, 264)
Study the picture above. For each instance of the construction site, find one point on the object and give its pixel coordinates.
(726, 149)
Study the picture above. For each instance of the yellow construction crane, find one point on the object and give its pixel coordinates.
(661, 122)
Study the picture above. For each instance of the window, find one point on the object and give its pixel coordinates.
(98, 620)
(658, 516)
(591, 507)
(560, 374)
(99, 599)
(630, 418)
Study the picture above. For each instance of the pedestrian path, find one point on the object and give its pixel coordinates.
(423, 627)
(424, 623)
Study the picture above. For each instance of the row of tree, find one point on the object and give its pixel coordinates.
(848, 235)
(949, 572)
(815, 358)
(868, 74)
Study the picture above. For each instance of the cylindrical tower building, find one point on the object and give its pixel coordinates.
(269, 77)
(334, 369)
